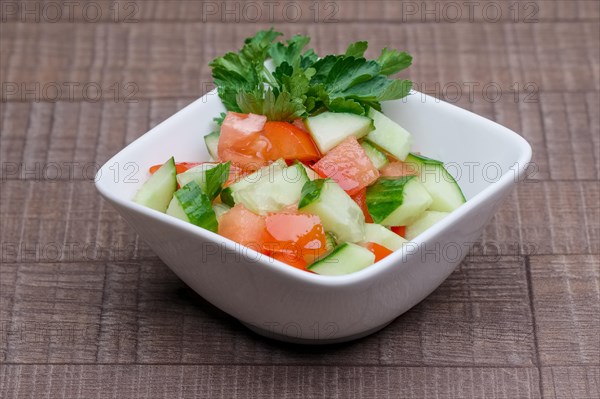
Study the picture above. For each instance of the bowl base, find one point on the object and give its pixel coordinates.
(310, 341)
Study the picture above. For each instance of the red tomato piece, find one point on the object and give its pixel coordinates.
(244, 227)
(379, 251)
(239, 142)
(299, 123)
(361, 199)
(398, 169)
(296, 234)
(180, 167)
(400, 230)
(250, 142)
(287, 141)
(291, 259)
(349, 165)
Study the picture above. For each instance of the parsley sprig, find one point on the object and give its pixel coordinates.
(299, 83)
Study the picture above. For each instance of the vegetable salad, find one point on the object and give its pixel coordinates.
(307, 169)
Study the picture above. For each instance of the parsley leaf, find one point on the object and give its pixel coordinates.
(392, 61)
(303, 84)
(281, 107)
(242, 71)
(292, 53)
(348, 78)
(219, 119)
(357, 49)
(215, 178)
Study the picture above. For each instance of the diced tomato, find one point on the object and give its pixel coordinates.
(299, 123)
(400, 230)
(296, 234)
(244, 227)
(398, 169)
(180, 167)
(361, 199)
(251, 142)
(379, 251)
(239, 142)
(321, 173)
(289, 142)
(348, 165)
(291, 258)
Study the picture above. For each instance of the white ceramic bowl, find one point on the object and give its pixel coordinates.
(286, 303)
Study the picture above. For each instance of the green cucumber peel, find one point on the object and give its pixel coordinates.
(197, 206)
(385, 196)
(423, 159)
(227, 197)
(311, 191)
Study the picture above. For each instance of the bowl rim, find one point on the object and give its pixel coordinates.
(366, 274)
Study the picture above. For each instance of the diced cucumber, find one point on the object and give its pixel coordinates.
(381, 235)
(397, 201)
(330, 128)
(389, 135)
(212, 143)
(190, 204)
(345, 259)
(444, 190)
(274, 192)
(427, 219)
(197, 174)
(176, 210)
(378, 158)
(220, 209)
(209, 176)
(157, 191)
(264, 173)
(338, 212)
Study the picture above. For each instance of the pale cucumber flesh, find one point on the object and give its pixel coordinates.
(416, 200)
(197, 174)
(345, 259)
(383, 236)
(275, 192)
(444, 190)
(378, 158)
(338, 213)
(425, 221)
(176, 210)
(329, 128)
(389, 135)
(212, 144)
(157, 191)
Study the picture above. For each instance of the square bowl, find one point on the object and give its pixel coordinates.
(285, 303)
